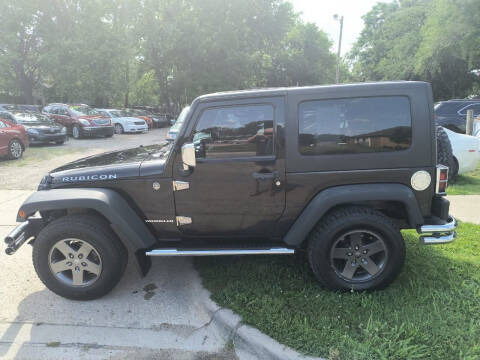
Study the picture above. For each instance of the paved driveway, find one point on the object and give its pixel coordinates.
(162, 316)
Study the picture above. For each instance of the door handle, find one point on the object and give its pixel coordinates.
(263, 176)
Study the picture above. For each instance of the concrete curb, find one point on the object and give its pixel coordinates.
(249, 342)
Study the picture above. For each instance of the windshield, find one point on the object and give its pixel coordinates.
(23, 117)
(180, 120)
(80, 110)
(118, 113)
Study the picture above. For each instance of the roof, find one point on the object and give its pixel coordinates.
(301, 89)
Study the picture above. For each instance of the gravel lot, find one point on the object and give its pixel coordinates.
(25, 174)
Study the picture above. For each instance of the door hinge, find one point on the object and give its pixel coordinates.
(180, 185)
(183, 220)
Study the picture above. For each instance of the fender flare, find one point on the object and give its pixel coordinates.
(125, 222)
(345, 194)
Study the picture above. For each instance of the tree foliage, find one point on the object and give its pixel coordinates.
(114, 52)
(431, 40)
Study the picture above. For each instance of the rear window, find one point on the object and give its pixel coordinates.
(355, 125)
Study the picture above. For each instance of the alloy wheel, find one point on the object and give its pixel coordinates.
(118, 129)
(359, 255)
(76, 132)
(16, 149)
(75, 262)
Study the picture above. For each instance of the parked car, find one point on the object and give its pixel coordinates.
(141, 114)
(80, 120)
(13, 139)
(452, 114)
(40, 128)
(124, 123)
(332, 171)
(466, 152)
(173, 131)
(160, 119)
(22, 107)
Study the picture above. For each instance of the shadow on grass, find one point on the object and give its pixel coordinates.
(431, 311)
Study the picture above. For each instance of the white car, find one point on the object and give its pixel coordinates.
(124, 123)
(466, 151)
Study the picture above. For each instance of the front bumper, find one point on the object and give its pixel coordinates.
(432, 234)
(97, 130)
(23, 232)
(136, 128)
(45, 138)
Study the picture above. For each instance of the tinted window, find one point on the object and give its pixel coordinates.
(235, 131)
(355, 125)
(474, 107)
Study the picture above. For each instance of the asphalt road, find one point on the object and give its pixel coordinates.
(16, 175)
(161, 316)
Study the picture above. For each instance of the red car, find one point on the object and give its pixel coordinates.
(13, 139)
(80, 120)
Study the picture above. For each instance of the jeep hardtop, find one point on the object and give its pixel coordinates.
(332, 171)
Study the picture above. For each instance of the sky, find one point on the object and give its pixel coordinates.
(321, 13)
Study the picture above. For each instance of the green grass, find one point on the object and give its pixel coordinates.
(432, 311)
(35, 154)
(468, 184)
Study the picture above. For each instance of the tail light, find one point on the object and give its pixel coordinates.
(442, 179)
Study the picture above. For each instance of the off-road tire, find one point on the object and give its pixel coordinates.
(346, 219)
(15, 149)
(99, 234)
(445, 153)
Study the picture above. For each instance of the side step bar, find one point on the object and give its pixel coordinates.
(180, 252)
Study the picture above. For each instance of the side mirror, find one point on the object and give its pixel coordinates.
(188, 156)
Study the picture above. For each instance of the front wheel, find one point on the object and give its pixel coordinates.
(76, 132)
(118, 129)
(356, 248)
(15, 149)
(79, 257)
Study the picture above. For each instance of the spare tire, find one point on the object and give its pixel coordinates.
(444, 153)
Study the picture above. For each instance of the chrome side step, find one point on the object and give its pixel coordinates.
(180, 252)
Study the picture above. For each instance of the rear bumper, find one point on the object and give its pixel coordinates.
(432, 234)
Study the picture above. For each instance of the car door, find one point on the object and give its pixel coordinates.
(237, 188)
(64, 118)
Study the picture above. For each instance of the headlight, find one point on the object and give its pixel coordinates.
(131, 122)
(64, 130)
(32, 131)
(84, 122)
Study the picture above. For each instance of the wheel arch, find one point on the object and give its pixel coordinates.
(124, 221)
(371, 195)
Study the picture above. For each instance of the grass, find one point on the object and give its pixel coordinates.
(466, 184)
(432, 311)
(35, 154)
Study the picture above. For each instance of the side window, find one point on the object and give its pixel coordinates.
(355, 125)
(235, 131)
(2, 124)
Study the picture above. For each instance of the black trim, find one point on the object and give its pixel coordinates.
(347, 194)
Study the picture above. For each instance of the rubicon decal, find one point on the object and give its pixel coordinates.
(89, 177)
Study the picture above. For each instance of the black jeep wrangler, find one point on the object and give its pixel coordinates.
(335, 171)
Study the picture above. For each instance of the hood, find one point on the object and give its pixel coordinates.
(40, 125)
(127, 118)
(111, 165)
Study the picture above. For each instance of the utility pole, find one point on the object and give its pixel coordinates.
(337, 74)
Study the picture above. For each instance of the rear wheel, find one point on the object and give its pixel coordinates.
(356, 248)
(15, 149)
(79, 257)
